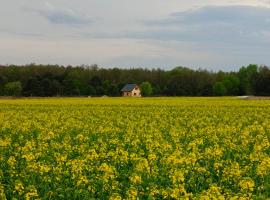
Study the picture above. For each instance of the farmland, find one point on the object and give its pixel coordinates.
(121, 148)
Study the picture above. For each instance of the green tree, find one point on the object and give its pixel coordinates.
(219, 89)
(106, 87)
(114, 90)
(146, 89)
(13, 88)
(51, 80)
(91, 90)
(3, 81)
(32, 87)
(246, 77)
(232, 85)
(262, 82)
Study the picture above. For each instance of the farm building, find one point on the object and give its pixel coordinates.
(131, 90)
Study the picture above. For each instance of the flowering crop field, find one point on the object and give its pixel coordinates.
(122, 148)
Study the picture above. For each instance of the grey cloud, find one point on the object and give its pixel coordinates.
(21, 33)
(56, 15)
(226, 24)
(248, 15)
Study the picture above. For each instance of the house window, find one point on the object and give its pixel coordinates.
(135, 94)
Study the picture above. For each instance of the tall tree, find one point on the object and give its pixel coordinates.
(146, 89)
(54, 80)
(13, 88)
(219, 89)
(246, 77)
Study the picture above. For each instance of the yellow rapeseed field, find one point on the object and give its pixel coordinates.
(121, 148)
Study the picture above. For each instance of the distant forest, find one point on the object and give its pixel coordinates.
(53, 80)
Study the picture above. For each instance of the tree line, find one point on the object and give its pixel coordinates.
(54, 80)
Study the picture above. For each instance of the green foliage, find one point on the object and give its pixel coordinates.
(219, 89)
(146, 89)
(231, 84)
(262, 82)
(3, 81)
(54, 80)
(13, 88)
(246, 76)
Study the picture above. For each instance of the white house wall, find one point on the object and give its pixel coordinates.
(136, 93)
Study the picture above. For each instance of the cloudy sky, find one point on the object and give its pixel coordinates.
(210, 34)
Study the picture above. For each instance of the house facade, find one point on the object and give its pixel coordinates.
(131, 90)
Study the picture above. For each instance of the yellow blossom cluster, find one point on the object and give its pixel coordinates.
(131, 148)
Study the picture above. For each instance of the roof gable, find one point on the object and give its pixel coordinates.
(129, 87)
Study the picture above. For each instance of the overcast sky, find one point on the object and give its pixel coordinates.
(211, 34)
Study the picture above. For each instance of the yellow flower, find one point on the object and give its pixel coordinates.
(2, 192)
(32, 193)
(115, 196)
(12, 161)
(19, 187)
(178, 177)
(264, 167)
(132, 193)
(143, 166)
(214, 192)
(5, 142)
(105, 168)
(29, 157)
(82, 181)
(152, 157)
(247, 184)
(178, 148)
(136, 179)
(44, 168)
